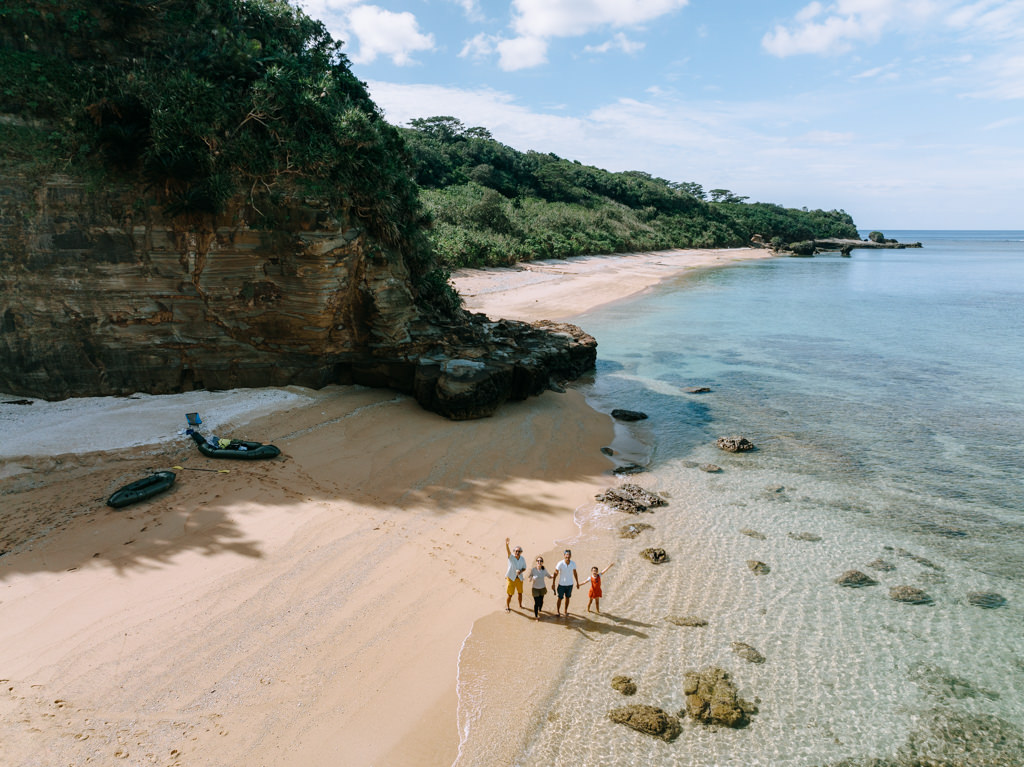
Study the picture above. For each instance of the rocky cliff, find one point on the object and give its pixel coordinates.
(203, 195)
(100, 294)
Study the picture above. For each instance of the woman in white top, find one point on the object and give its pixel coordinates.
(537, 576)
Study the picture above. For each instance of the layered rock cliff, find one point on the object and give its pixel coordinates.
(99, 295)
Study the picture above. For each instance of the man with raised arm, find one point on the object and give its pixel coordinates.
(514, 576)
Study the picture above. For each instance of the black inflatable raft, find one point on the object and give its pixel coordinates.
(252, 450)
(142, 489)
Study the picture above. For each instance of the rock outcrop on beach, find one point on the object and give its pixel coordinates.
(655, 556)
(711, 698)
(628, 415)
(649, 720)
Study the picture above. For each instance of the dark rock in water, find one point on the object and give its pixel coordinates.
(628, 415)
(986, 599)
(759, 568)
(689, 464)
(734, 444)
(18, 402)
(629, 468)
(946, 685)
(946, 531)
(624, 684)
(641, 496)
(607, 451)
(648, 720)
(754, 534)
(946, 737)
(855, 579)
(914, 557)
(711, 698)
(805, 537)
(747, 652)
(882, 566)
(910, 595)
(655, 556)
(686, 620)
(633, 530)
(697, 389)
(710, 468)
(614, 499)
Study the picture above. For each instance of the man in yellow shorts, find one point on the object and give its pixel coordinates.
(514, 576)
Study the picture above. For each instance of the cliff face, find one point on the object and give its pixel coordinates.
(101, 295)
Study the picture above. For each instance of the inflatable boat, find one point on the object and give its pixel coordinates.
(142, 489)
(234, 448)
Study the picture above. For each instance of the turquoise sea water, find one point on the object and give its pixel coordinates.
(885, 393)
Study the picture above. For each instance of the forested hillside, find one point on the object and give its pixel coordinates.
(494, 205)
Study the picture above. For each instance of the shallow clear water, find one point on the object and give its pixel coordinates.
(885, 393)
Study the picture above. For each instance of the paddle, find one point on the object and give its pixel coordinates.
(189, 468)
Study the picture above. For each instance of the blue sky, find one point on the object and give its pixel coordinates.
(905, 113)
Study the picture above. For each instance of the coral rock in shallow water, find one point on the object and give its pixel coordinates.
(654, 556)
(910, 595)
(986, 599)
(624, 684)
(711, 698)
(686, 620)
(734, 444)
(882, 566)
(633, 530)
(710, 468)
(640, 495)
(647, 719)
(855, 579)
(615, 500)
(758, 568)
(747, 652)
(754, 534)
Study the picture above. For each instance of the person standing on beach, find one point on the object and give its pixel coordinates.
(537, 575)
(514, 576)
(566, 575)
(595, 587)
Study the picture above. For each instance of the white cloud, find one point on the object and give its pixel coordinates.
(480, 46)
(522, 53)
(619, 43)
(836, 28)
(471, 8)
(570, 18)
(385, 33)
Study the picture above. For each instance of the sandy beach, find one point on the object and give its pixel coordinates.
(310, 609)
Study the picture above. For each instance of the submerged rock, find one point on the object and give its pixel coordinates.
(805, 537)
(607, 451)
(758, 568)
(747, 652)
(629, 468)
(648, 720)
(655, 556)
(697, 389)
(914, 558)
(988, 599)
(754, 534)
(734, 444)
(710, 468)
(711, 698)
(882, 565)
(910, 595)
(686, 620)
(856, 579)
(633, 530)
(624, 684)
(628, 415)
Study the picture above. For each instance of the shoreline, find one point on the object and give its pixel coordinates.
(287, 584)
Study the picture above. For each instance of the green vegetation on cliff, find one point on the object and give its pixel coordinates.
(494, 205)
(200, 101)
